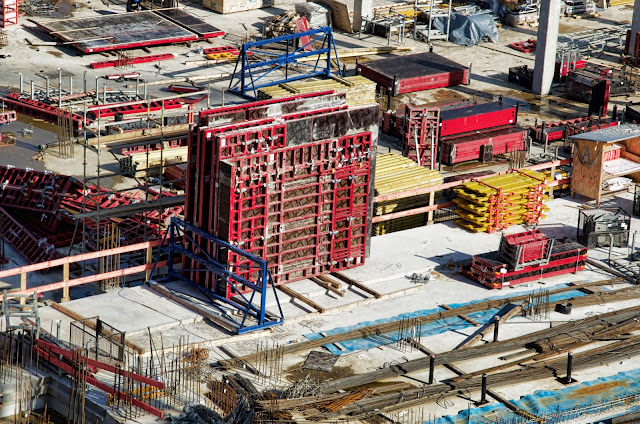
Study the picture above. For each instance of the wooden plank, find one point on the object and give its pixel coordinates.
(328, 280)
(77, 317)
(286, 290)
(357, 284)
(192, 306)
(327, 286)
(463, 317)
(489, 328)
(339, 14)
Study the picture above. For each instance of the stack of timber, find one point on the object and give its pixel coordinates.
(498, 202)
(152, 162)
(287, 180)
(395, 173)
(357, 89)
(279, 25)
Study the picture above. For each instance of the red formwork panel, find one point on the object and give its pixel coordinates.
(131, 61)
(33, 190)
(420, 135)
(469, 147)
(302, 208)
(33, 249)
(37, 109)
(476, 117)
(414, 72)
(524, 247)
(561, 129)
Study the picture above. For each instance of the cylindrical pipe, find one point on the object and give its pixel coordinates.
(84, 82)
(432, 360)
(569, 367)
(496, 328)
(97, 91)
(59, 323)
(137, 86)
(104, 94)
(59, 87)
(483, 392)
(21, 81)
(144, 94)
(32, 90)
(633, 243)
(48, 92)
(70, 84)
(610, 247)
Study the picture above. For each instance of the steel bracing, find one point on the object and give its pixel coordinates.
(250, 74)
(183, 239)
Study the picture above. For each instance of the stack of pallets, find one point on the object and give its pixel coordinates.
(496, 203)
(395, 173)
(357, 89)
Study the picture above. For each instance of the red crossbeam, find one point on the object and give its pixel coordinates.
(134, 60)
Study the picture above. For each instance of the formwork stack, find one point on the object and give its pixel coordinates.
(287, 180)
(496, 203)
(395, 173)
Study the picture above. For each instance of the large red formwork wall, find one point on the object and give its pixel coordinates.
(303, 209)
(264, 129)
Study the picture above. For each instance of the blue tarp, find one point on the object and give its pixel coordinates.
(428, 329)
(549, 402)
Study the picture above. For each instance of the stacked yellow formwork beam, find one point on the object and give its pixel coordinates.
(496, 203)
(357, 89)
(395, 173)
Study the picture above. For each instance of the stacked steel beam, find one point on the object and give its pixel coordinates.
(284, 179)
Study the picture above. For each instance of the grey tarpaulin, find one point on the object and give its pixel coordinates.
(468, 30)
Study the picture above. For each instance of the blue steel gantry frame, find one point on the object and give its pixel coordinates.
(181, 234)
(251, 75)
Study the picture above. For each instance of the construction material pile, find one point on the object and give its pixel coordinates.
(496, 203)
(395, 173)
(357, 89)
(286, 180)
(525, 257)
(37, 214)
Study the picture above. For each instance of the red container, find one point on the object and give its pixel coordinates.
(470, 147)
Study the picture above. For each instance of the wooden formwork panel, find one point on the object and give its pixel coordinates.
(302, 208)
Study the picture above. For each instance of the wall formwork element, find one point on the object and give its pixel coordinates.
(287, 180)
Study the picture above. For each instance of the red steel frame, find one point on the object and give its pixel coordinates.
(107, 111)
(33, 190)
(469, 146)
(39, 109)
(34, 249)
(300, 235)
(562, 131)
(420, 135)
(132, 61)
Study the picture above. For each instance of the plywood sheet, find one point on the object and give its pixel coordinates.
(339, 14)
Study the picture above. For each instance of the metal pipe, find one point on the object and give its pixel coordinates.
(59, 87)
(47, 82)
(58, 324)
(483, 393)
(569, 368)
(104, 94)
(137, 85)
(610, 247)
(70, 84)
(84, 82)
(144, 94)
(21, 80)
(32, 90)
(496, 327)
(432, 360)
(633, 243)
(97, 91)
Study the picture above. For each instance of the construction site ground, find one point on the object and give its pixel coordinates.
(139, 311)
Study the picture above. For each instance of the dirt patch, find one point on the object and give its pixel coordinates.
(297, 373)
(55, 53)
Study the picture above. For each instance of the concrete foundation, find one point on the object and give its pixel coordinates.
(546, 47)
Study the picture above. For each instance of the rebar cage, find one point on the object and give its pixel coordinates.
(99, 340)
(603, 227)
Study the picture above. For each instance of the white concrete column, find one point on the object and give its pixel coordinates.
(635, 25)
(547, 45)
(363, 9)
